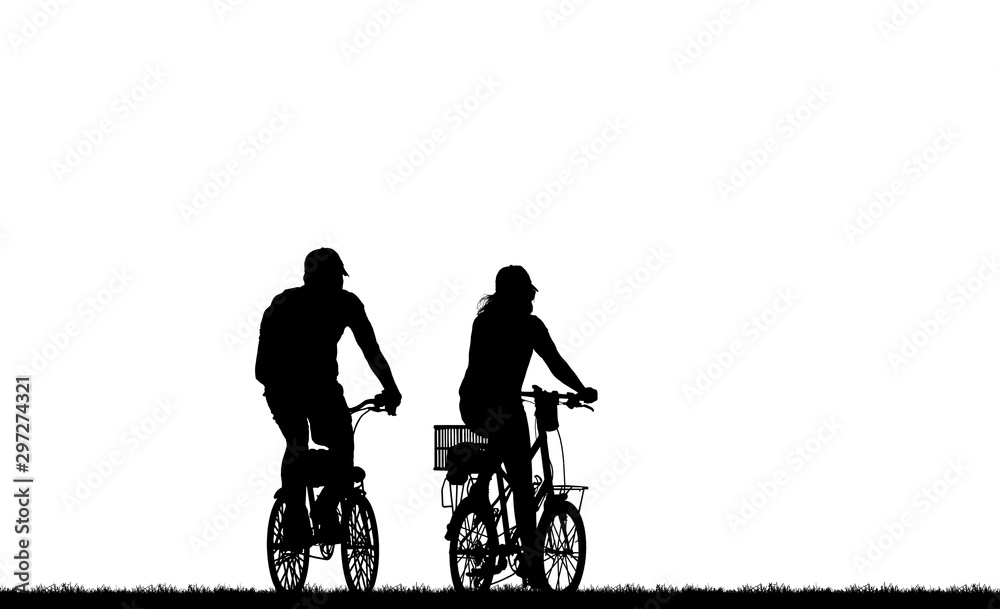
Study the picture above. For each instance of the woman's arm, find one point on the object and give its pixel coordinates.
(546, 349)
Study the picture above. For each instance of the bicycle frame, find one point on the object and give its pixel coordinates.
(356, 533)
(477, 551)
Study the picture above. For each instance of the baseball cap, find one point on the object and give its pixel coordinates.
(323, 260)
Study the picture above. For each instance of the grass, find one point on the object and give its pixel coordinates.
(630, 596)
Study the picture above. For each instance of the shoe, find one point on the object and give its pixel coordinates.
(297, 535)
(532, 577)
(330, 534)
(293, 542)
(330, 531)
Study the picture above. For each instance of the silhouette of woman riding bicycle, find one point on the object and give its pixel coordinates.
(505, 333)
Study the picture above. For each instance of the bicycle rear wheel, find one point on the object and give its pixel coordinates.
(360, 548)
(564, 548)
(472, 548)
(288, 568)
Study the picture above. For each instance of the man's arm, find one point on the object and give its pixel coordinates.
(365, 335)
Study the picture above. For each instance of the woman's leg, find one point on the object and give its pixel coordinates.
(513, 444)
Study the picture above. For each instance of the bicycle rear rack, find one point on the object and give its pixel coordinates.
(455, 492)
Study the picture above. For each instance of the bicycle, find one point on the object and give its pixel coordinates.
(476, 553)
(359, 532)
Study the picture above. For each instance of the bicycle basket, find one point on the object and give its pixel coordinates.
(547, 415)
(460, 452)
(447, 436)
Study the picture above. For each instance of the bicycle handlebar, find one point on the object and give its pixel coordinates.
(373, 406)
(571, 400)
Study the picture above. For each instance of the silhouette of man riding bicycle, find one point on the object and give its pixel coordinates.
(297, 364)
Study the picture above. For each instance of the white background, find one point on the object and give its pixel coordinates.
(674, 470)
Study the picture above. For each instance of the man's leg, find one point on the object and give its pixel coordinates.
(295, 429)
(330, 423)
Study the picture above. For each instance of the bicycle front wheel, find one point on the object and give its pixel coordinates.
(360, 548)
(288, 567)
(565, 546)
(472, 549)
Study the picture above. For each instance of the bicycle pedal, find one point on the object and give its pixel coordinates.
(484, 571)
